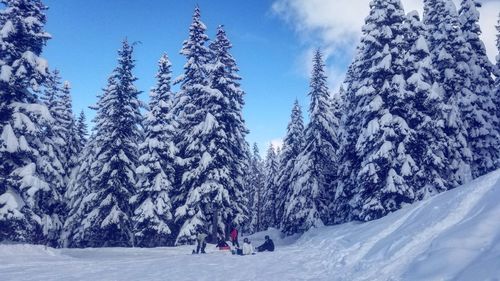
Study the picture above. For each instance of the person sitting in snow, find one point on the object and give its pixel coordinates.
(267, 246)
(201, 243)
(247, 247)
(222, 245)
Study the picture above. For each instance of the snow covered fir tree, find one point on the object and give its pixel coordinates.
(292, 146)
(313, 173)
(27, 197)
(152, 213)
(255, 190)
(211, 140)
(103, 217)
(417, 115)
(269, 194)
(482, 121)
(375, 155)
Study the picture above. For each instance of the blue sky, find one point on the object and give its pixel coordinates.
(272, 43)
(87, 34)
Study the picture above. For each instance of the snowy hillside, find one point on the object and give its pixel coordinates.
(453, 236)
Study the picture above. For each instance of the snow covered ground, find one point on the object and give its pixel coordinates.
(453, 236)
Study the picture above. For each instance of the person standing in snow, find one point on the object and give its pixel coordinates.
(234, 237)
(267, 246)
(201, 243)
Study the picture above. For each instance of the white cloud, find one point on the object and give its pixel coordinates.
(336, 24)
(277, 143)
(264, 146)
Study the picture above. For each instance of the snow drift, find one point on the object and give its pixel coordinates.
(452, 236)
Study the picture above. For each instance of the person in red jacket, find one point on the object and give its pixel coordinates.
(234, 237)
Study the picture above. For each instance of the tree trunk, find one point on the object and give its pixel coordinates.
(215, 224)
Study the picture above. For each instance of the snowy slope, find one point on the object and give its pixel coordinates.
(453, 236)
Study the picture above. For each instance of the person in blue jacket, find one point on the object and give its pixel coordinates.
(267, 246)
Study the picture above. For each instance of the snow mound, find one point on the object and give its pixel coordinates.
(452, 236)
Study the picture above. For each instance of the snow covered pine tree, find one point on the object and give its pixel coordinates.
(375, 152)
(256, 178)
(211, 194)
(58, 100)
(152, 204)
(22, 118)
(77, 197)
(292, 147)
(270, 188)
(234, 151)
(53, 159)
(423, 103)
(449, 54)
(73, 139)
(481, 121)
(189, 215)
(103, 217)
(314, 173)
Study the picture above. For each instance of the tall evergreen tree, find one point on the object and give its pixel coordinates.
(314, 172)
(152, 215)
(105, 218)
(481, 121)
(53, 159)
(73, 147)
(55, 135)
(22, 118)
(423, 105)
(450, 54)
(194, 82)
(212, 147)
(270, 190)
(256, 182)
(224, 78)
(79, 198)
(375, 152)
(292, 147)
(60, 154)
(79, 193)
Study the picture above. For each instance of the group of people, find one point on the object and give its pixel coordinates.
(246, 249)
